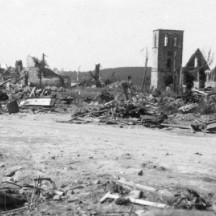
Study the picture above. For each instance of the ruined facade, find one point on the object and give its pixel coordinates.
(198, 67)
(167, 58)
(48, 77)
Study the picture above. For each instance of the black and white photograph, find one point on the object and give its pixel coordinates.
(107, 107)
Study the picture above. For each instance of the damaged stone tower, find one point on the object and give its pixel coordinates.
(167, 58)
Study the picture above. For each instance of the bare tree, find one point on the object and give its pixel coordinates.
(209, 56)
(96, 75)
(41, 64)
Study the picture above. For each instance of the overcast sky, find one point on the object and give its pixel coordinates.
(75, 33)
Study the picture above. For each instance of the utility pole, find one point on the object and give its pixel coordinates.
(78, 71)
(180, 80)
(145, 71)
(42, 68)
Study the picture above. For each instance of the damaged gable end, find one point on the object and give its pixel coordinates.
(197, 66)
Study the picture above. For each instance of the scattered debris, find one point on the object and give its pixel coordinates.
(11, 172)
(190, 199)
(197, 153)
(140, 212)
(2, 165)
(188, 107)
(122, 201)
(119, 112)
(136, 194)
(108, 105)
(13, 107)
(22, 197)
(3, 96)
(208, 126)
(176, 126)
(11, 199)
(17, 197)
(117, 188)
(140, 173)
(105, 96)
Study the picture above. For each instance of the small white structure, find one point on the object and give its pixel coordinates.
(4, 66)
(30, 62)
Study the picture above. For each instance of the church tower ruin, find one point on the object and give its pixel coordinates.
(167, 58)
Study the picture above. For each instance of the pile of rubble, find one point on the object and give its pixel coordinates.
(146, 110)
(15, 98)
(138, 111)
(110, 106)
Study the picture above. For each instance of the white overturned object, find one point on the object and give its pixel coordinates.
(46, 102)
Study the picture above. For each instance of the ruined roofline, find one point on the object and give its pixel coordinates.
(168, 30)
(197, 54)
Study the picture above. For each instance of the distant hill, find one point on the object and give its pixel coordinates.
(120, 73)
(73, 75)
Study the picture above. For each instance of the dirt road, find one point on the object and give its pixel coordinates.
(70, 152)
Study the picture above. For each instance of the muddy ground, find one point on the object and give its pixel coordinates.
(85, 158)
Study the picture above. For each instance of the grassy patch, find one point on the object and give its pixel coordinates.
(82, 94)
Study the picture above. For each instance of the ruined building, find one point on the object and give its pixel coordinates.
(199, 69)
(167, 58)
(42, 75)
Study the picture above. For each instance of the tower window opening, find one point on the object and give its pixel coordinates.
(166, 38)
(155, 40)
(175, 41)
(196, 62)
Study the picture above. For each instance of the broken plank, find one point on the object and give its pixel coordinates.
(148, 117)
(201, 92)
(211, 126)
(137, 186)
(135, 201)
(32, 92)
(148, 203)
(1, 84)
(176, 125)
(211, 122)
(144, 188)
